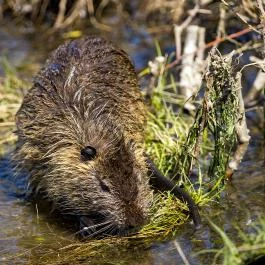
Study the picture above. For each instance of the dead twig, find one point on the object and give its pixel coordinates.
(212, 43)
(181, 253)
(178, 29)
(191, 72)
(256, 88)
(60, 17)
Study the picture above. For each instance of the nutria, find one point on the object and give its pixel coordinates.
(80, 137)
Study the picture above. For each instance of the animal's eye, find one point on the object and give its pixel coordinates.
(103, 186)
(88, 153)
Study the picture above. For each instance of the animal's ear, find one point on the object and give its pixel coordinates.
(88, 153)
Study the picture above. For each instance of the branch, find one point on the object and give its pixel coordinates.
(213, 43)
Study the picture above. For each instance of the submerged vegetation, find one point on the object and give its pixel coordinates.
(251, 249)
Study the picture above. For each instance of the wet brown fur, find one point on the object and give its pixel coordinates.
(86, 95)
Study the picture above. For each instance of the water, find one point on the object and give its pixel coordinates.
(26, 229)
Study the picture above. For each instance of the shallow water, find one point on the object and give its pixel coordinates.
(25, 229)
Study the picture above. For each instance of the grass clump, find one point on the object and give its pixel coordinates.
(11, 88)
(165, 207)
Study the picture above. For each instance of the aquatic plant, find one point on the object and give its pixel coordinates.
(250, 249)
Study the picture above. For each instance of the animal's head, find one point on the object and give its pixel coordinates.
(96, 172)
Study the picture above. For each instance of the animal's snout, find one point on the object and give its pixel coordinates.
(93, 225)
(97, 226)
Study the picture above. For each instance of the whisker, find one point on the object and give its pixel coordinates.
(100, 231)
(112, 230)
(92, 227)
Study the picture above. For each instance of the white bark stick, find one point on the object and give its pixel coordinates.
(191, 73)
(241, 126)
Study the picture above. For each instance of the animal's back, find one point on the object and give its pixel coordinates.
(83, 76)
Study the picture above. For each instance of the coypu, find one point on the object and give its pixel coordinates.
(80, 138)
